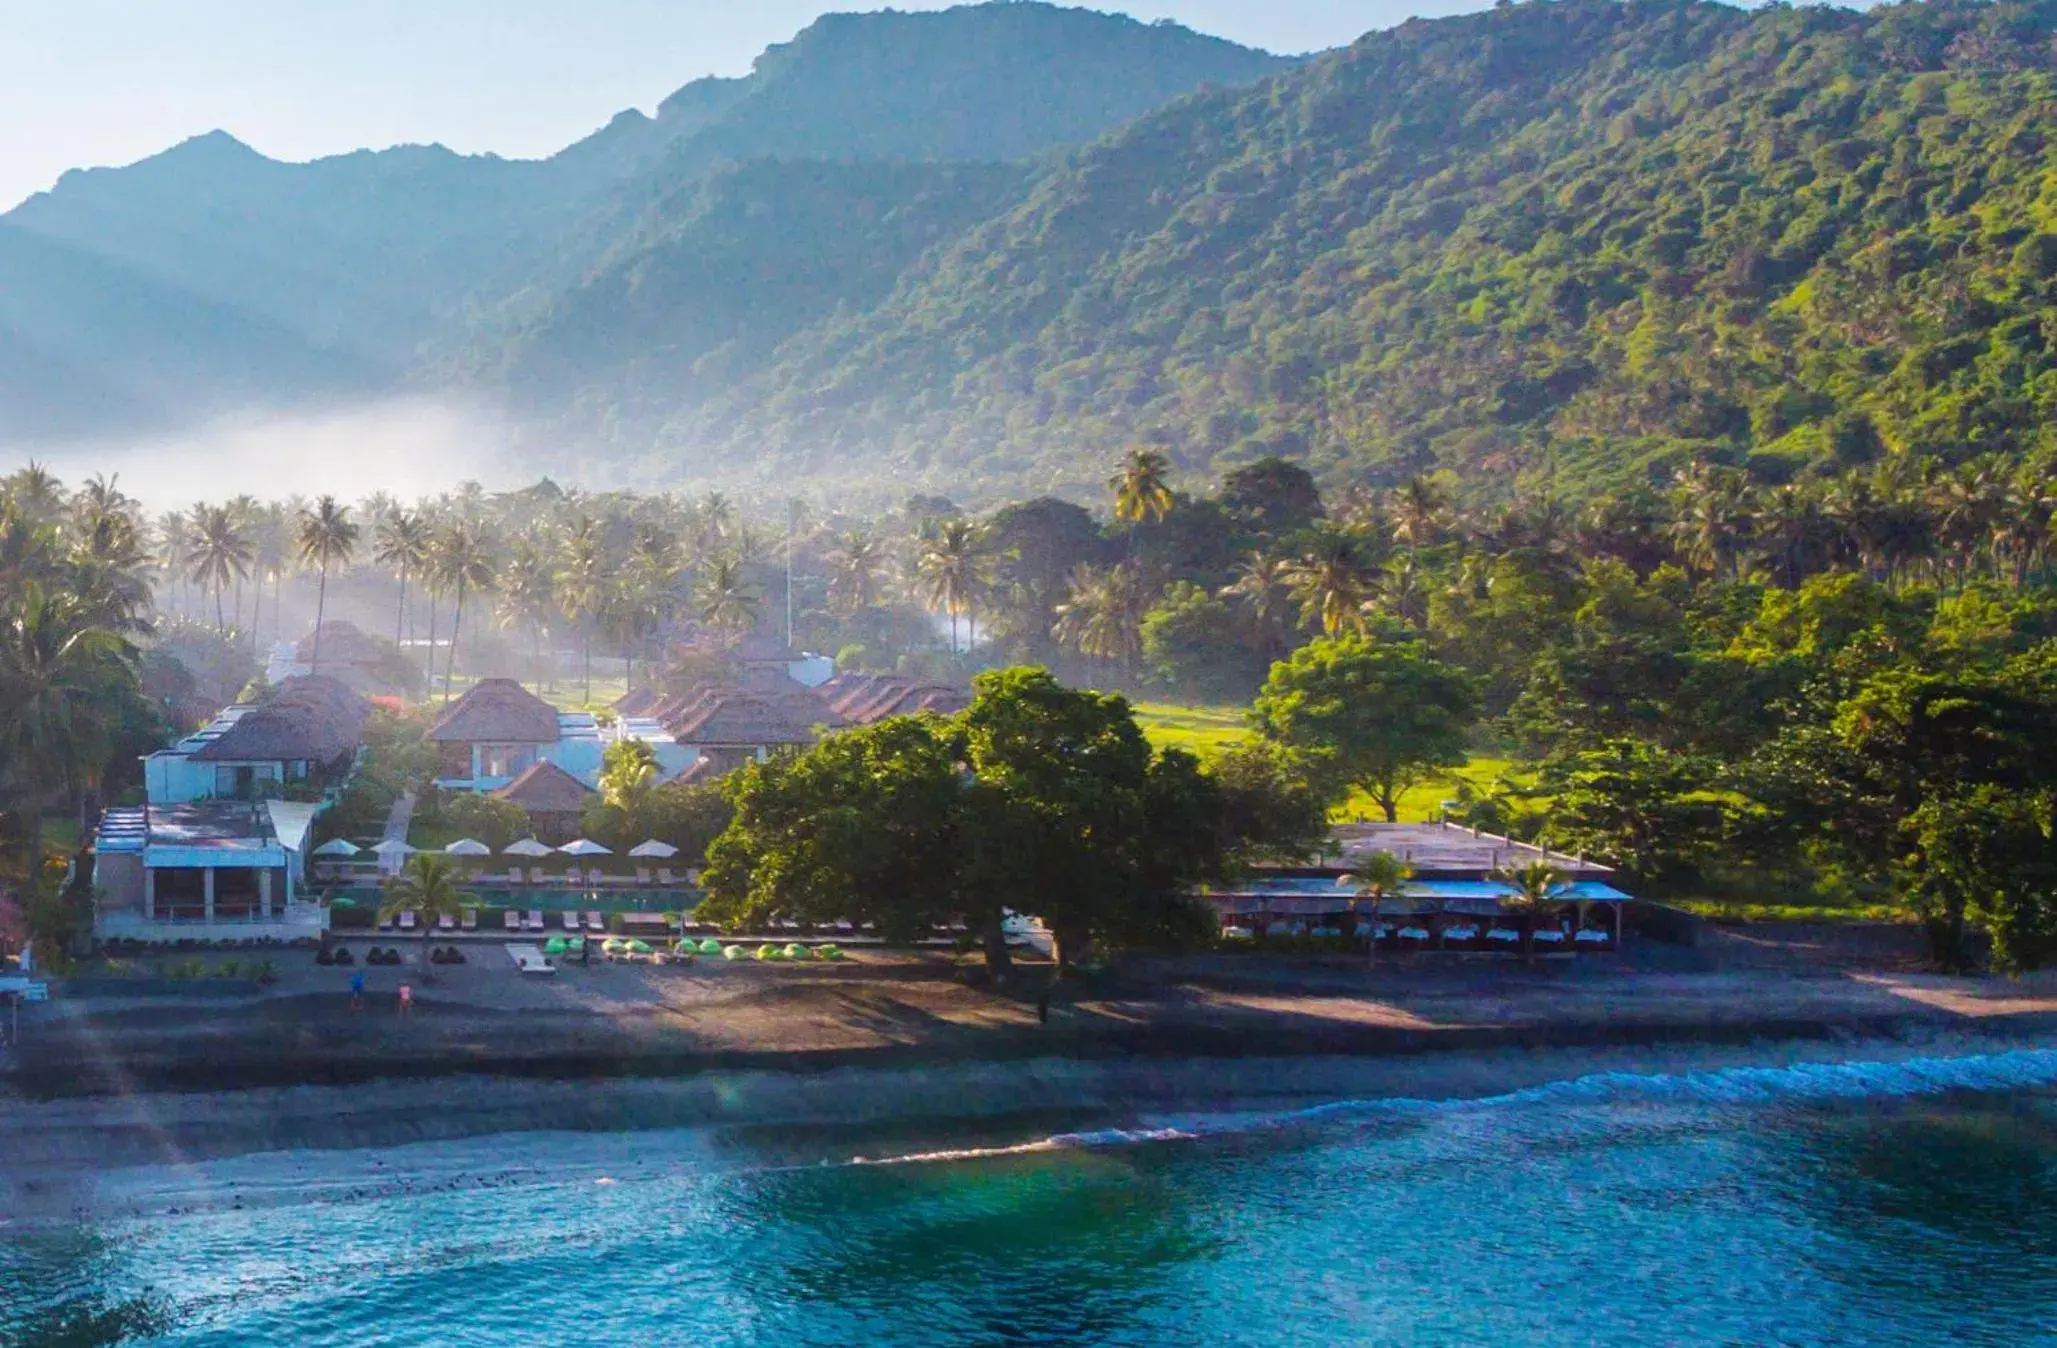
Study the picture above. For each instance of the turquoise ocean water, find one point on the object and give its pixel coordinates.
(1914, 1203)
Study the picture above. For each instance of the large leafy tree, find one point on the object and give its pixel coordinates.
(1377, 716)
(1076, 820)
(867, 825)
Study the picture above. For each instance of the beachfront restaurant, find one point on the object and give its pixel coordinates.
(207, 871)
(1453, 899)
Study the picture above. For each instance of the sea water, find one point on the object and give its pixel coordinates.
(1912, 1202)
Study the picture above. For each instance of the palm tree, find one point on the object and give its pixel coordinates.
(1102, 617)
(463, 562)
(724, 598)
(951, 568)
(1419, 509)
(1537, 888)
(1333, 582)
(1712, 519)
(220, 553)
(36, 492)
(429, 889)
(57, 660)
(582, 582)
(174, 535)
(1142, 490)
(327, 538)
(528, 596)
(1263, 587)
(855, 568)
(401, 542)
(650, 588)
(244, 510)
(627, 774)
(1381, 876)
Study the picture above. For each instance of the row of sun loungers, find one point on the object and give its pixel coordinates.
(594, 879)
(1459, 936)
(532, 920)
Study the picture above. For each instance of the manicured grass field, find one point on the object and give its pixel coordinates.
(1208, 730)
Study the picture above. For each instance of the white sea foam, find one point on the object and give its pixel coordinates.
(1798, 1084)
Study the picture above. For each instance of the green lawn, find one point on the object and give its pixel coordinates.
(1208, 730)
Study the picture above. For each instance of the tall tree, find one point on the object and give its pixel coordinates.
(725, 598)
(401, 539)
(465, 564)
(1378, 717)
(220, 553)
(327, 538)
(952, 570)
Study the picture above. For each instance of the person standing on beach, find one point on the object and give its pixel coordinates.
(406, 998)
(357, 991)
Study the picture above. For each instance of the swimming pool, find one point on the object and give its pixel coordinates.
(556, 899)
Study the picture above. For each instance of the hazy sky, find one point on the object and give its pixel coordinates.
(94, 82)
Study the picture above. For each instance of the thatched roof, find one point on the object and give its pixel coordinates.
(701, 770)
(866, 698)
(545, 788)
(497, 711)
(638, 701)
(753, 718)
(342, 643)
(312, 718)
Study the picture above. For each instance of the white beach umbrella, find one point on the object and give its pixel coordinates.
(662, 851)
(468, 847)
(395, 847)
(338, 847)
(585, 847)
(527, 847)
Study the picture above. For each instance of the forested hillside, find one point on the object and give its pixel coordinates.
(383, 270)
(1590, 236)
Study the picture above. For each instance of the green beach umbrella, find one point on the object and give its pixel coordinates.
(828, 952)
(612, 945)
(554, 946)
(734, 952)
(639, 946)
(770, 952)
(710, 946)
(796, 951)
(575, 945)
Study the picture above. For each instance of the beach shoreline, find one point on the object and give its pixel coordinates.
(910, 1012)
(185, 1151)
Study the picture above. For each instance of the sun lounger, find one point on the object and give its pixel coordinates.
(470, 920)
(1549, 936)
(1462, 934)
(530, 959)
(642, 875)
(1592, 936)
(1237, 933)
(595, 920)
(533, 920)
(511, 919)
(445, 922)
(574, 877)
(385, 921)
(571, 920)
(1419, 934)
(407, 922)
(664, 876)
(1504, 936)
(514, 876)
(535, 875)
